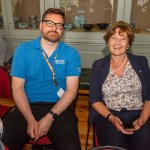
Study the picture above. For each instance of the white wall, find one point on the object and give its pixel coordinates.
(90, 45)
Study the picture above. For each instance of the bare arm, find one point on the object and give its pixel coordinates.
(146, 110)
(101, 109)
(69, 95)
(67, 98)
(22, 103)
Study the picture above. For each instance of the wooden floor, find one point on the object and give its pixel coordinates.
(82, 109)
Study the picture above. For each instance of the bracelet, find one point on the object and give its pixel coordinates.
(108, 116)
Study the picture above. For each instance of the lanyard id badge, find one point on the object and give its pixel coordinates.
(60, 90)
(51, 68)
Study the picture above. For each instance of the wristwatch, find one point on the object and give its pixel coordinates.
(54, 115)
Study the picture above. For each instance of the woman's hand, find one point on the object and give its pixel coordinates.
(145, 114)
(119, 125)
(139, 123)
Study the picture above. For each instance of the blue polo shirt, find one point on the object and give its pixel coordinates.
(29, 64)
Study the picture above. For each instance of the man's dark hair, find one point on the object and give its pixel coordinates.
(54, 11)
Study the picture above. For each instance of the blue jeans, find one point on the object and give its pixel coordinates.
(107, 134)
(63, 132)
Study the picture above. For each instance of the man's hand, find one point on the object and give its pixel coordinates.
(33, 130)
(44, 124)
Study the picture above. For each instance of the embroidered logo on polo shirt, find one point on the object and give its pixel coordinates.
(59, 61)
(79, 69)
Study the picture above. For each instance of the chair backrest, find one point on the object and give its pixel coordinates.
(5, 88)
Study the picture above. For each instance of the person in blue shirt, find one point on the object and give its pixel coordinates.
(45, 77)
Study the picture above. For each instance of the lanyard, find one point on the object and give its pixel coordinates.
(50, 67)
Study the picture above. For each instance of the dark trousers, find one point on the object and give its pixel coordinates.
(108, 135)
(63, 132)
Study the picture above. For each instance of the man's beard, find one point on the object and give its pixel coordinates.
(51, 38)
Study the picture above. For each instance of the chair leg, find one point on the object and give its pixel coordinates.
(94, 136)
(95, 139)
(87, 136)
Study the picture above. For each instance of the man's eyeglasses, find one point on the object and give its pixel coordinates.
(50, 23)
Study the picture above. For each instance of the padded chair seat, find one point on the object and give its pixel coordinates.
(42, 141)
(42, 144)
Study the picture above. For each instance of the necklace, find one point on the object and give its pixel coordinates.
(115, 70)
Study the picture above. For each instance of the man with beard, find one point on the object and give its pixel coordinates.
(45, 76)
